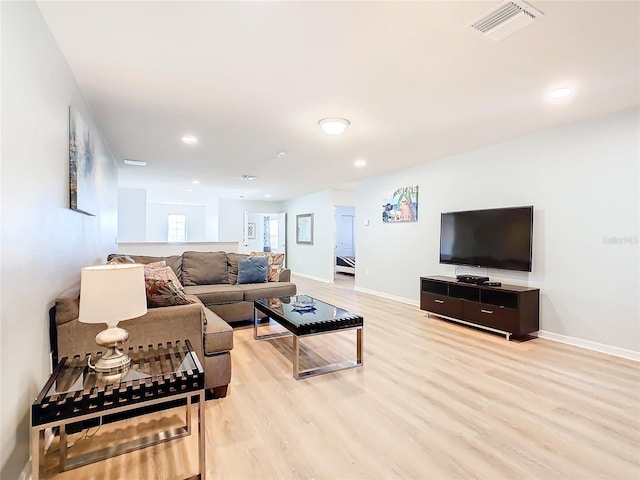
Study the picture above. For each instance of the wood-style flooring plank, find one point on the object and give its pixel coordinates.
(434, 400)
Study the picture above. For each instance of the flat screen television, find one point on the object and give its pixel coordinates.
(495, 238)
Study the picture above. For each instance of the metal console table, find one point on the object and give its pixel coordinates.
(159, 375)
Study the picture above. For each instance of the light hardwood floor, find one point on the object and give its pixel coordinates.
(434, 400)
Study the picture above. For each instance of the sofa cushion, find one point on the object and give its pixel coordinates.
(204, 268)
(68, 306)
(232, 266)
(163, 293)
(174, 261)
(218, 334)
(252, 270)
(214, 294)
(267, 290)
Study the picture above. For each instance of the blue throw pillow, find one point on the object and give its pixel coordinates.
(252, 270)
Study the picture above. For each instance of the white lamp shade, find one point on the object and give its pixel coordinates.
(111, 293)
(334, 125)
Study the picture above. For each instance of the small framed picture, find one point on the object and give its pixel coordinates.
(251, 231)
(304, 229)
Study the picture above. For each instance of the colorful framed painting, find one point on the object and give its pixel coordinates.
(400, 205)
(82, 166)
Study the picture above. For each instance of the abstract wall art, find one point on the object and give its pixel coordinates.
(82, 167)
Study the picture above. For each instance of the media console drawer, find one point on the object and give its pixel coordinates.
(442, 304)
(493, 316)
(511, 309)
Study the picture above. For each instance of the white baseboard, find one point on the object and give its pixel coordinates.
(589, 345)
(387, 295)
(576, 342)
(311, 277)
(26, 471)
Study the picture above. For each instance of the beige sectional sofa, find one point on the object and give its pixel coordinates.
(210, 280)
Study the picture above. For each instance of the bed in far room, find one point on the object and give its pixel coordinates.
(345, 264)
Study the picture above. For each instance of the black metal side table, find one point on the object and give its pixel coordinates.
(159, 375)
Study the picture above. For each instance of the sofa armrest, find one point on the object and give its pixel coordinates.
(285, 275)
(158, 325)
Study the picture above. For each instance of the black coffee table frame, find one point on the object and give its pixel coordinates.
(323, 319)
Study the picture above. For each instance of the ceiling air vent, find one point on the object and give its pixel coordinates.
(505, 19)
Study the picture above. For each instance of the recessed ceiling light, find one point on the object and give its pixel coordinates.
(267, 195)
(360, 163)
(189, 189)
(280, 154)
(559, 93)
(135, 163)
(195, 182)
(247, 177)
(334, 125)
(190, 139)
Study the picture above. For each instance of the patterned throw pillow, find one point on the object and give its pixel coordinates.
(162, 293)
(164, 273)
(118, 259)
(276, 260)
(149, 267)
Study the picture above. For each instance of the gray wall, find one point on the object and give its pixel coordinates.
(313, 261)
(583, 182)
(44, 243)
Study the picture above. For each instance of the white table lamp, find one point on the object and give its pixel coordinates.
(109, 294)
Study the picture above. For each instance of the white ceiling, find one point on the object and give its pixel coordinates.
(250, 79)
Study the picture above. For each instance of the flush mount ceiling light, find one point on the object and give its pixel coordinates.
(135, 163)
(247, 177)
(334, 125)
(190, 139)
(280, 154)
(360, 163)
(559, 93)
(195, 182)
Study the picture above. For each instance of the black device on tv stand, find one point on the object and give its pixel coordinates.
(475, 279)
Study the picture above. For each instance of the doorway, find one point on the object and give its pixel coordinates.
(345, 253)
(265, 232)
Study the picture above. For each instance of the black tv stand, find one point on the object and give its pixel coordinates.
(505, 309)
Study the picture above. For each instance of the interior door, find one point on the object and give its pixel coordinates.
(282, 235)
(344, 235)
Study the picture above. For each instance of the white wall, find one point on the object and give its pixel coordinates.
(314, 261)
(44, 243)
(345, 198)
(140, 219)
(132, 214)
(583, 182)
(164, 249)
(158, 223)
(231, 216)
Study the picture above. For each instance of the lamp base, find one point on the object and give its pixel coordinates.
(113, 361)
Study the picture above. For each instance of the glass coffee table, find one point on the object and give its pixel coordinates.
(305, 316)
(75, 394)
